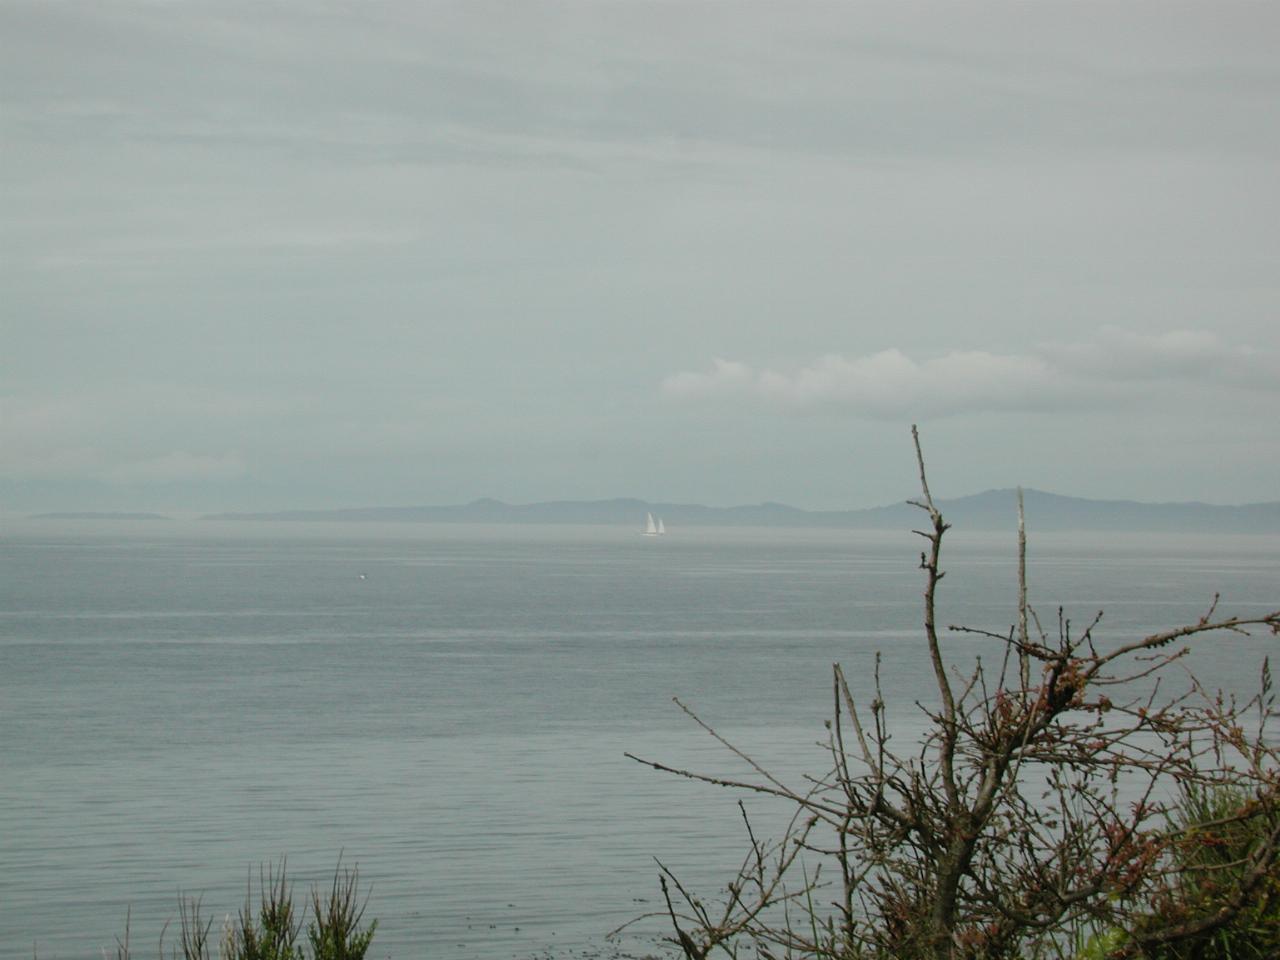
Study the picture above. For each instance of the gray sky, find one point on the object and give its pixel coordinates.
(310, 254)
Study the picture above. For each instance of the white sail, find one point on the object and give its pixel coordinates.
(650, 528)
(661, 526)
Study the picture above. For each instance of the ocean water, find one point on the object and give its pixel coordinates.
(447, 707)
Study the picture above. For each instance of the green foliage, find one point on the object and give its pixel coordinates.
(1100, 946)
(270, 932)
(1221, 834)
(273, 932)
(1227, 909)
(335, 932)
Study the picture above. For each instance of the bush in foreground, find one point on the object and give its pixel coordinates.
(1033, 821)
(1222, 836)
(270, 931)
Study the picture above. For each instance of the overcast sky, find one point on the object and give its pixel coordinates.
(312, 254)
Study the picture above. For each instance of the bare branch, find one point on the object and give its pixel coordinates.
(1035, 805)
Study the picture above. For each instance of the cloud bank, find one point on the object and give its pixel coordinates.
(892, 384)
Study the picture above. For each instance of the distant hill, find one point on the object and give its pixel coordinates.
(97, 516)
(993, 509)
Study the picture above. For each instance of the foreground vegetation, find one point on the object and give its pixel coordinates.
(271, 930)
(1063, 804)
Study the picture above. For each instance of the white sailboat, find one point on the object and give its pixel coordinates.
(650, 528)
(661, 527)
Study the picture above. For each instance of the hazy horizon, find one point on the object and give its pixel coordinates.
(572, 512)
(297, 256)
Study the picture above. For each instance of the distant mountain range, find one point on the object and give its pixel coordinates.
(994, 509)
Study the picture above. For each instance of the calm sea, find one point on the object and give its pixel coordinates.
(447, 707)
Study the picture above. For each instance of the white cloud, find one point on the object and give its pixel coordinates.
(892, 384)
(884, 384)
